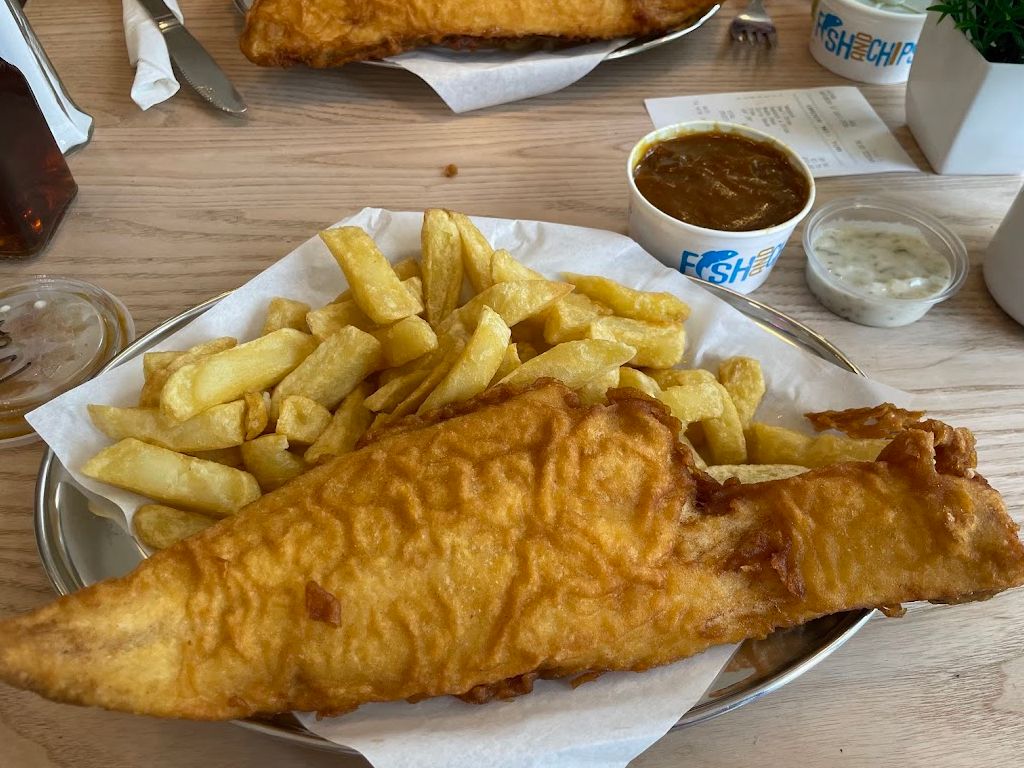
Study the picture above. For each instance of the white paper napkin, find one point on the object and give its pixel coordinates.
(468, 80)
(604, 723)
(69, 125)
(147, 52)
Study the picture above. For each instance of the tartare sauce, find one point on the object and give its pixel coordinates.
(876, 273)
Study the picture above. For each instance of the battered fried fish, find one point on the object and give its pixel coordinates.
(328, 33)
(527, 536)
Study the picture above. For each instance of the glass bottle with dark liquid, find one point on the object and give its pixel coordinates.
(36, 186)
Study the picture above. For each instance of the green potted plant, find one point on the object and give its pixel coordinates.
(965, 93)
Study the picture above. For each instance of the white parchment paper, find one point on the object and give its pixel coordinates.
(603, 723)
(468, 80)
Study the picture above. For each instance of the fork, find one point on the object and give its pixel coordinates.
(754, 26)
(8, 360)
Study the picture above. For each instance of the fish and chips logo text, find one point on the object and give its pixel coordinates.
(861, 46)
(725, 266)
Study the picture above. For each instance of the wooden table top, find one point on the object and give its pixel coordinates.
(180, 203)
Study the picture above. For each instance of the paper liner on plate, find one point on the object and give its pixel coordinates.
(603, 723)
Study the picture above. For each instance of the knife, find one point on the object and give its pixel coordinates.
(196, 66)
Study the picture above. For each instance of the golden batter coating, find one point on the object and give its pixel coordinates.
(328, 33)
(524, 534)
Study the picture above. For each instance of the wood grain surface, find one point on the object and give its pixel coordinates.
(180, 203)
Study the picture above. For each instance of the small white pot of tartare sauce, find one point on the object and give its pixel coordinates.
(880, 263)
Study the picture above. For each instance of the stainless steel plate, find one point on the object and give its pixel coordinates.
(634, 46)
(78, 548)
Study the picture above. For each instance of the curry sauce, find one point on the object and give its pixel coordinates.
(722, 181)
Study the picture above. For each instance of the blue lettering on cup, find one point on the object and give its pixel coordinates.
(860, 46)
(727, 266)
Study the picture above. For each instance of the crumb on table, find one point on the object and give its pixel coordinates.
(451, 170)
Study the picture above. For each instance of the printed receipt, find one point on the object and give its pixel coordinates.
(834, 130)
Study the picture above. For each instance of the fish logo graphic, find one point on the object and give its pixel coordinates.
(710, 258)
(831, 21)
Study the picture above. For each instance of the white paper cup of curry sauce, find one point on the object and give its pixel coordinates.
(717, 201)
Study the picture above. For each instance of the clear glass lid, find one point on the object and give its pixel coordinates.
(55, 333)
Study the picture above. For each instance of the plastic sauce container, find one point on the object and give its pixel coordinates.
(881, 263)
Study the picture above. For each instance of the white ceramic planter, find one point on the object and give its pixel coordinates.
(1004, 262)
(966, 113)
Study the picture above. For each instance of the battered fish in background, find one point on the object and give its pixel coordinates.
(329, 33)
(517, 535)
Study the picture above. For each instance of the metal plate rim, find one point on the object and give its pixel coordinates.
(64, 579)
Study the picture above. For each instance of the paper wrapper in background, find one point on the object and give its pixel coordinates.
(468, 80)
(603, 723)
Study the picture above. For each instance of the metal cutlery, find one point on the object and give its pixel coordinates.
(754, 26)
(193, 62)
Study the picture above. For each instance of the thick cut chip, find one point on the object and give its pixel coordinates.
(156, 361)
(331, 318)
(442, 264)
(221, 426)
(506, 269)
(173, 478)
(158, 527)
(405, 269)
(286, 313)
(476, 252)
(332, 371)
(302, 420)
(570, 317)
(447, 353)
(695, 401)
(631, 377)
(475, 367)
(388, 396)
(375, 287)
(627, 302)
(777, 445)
(753, 473)
(657, 344)
(150, 395)
(574, 363)
(228, 375)
(408, 339)
(229, 457)
(257, 414)
(514, 302)
(744, 381)
(596, 390)
(270, 461)
(350, 421)
(509, 362)
(526, 351)
(725, 442)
